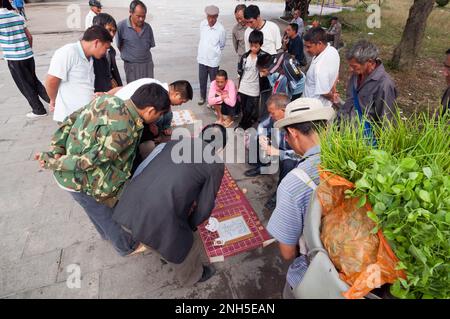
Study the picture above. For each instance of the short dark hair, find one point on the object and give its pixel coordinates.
(252, 12)
(334, 18)
(212, 132)
(222, 73)
(316, 35)
(151, 95)
(97, 32)
(7, 5)
(256, 36)
(294, 26)
(448, 51)
(240, 7)
(184, 88)
(307, 128)
(104, 19)
(264, 61)
(136, 3)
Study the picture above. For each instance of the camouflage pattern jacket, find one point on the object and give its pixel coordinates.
(98, 144)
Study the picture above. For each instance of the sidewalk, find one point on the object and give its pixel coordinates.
(43, 231)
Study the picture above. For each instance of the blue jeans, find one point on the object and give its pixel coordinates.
(101, 217)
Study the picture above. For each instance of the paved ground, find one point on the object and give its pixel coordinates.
(43, 231)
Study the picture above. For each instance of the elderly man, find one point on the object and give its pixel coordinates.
(301, 122)
(323, 72)
(370, 90)
(95, 9)
(239, 30)
(134, 40)
(271, 31)
(212, 42)
(299, 21)
(446, 97)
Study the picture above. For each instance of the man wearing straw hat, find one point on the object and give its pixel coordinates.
(303, 117)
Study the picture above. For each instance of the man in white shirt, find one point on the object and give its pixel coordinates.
(323, 72)
(96, 8)
(212, 42)
(70, 80)
(271, 31)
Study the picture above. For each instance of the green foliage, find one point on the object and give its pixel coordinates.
(407, 182)
(442, 3)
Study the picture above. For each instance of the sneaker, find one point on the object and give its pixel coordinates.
(201, 102)
(208, 272)
(31, 115)
(253, 172)
(272, 202)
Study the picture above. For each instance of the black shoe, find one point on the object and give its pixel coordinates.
(208, 272)
(201, 101)
(253, 172)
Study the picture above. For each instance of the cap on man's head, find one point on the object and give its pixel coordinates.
(95, 3)
(305, 110)
(212, 10)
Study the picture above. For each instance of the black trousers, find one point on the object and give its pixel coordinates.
(286, 166)
(250, 110)
(24, 75)
(203, 72)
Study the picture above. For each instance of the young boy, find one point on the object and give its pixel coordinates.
(92, 153)
(251, 85)
(222, 96)
(107, 74)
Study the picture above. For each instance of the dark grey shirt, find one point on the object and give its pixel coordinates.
(376, 96)
(135, 47)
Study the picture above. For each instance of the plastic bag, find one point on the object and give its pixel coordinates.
(364, 260)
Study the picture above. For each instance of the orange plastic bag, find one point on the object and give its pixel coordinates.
(364, 260)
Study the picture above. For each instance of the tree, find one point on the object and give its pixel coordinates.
(407, 50)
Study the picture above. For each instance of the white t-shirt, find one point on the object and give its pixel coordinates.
(322, 75)
(89, 19)
(249, 84)
(128, 90)
(76, 72)
(272, 38)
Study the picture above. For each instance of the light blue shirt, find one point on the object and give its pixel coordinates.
(212, 42)
(287, 220)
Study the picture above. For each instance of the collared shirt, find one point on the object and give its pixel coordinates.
(322, 74)
(272, 37)
(13, 39)
(301, 25)
(287, 220)
(239, 39)
(376, 96)
(98, 145)
(89, 19)
(76, 72)
(135, 47)
(212, 42)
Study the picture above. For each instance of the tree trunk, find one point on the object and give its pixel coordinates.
(407, 50)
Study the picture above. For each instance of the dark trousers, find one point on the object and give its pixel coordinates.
(296, 96)
(203, 73)
(101, 217)
(24, 75)
(250, 110)
(263, 112)
(286, 166)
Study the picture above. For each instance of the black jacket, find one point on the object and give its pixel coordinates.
(105, 72)
(264, 84)
(156, 204)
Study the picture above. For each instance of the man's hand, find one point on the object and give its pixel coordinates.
(97, 94)
(224, 95)
(167, 132)
(52, 106)
(38, 157)
(154, 129)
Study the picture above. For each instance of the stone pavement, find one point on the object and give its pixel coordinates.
(44, 231)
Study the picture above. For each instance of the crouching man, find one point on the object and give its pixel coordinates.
(168, 198)
(93, 150)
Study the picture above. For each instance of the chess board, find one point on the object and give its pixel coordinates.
(231, 203)
(182, 117)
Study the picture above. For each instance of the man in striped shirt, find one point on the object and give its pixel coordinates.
(16, 42)
(302, 118)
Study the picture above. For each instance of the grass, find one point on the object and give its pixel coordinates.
(419, 89)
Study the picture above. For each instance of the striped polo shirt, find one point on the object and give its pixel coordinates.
(13, 40)
(287, 220)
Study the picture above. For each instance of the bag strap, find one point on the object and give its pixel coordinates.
(301, 174)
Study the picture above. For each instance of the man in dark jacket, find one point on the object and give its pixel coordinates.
(171, 193)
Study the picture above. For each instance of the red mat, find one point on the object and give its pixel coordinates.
(231, 202)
